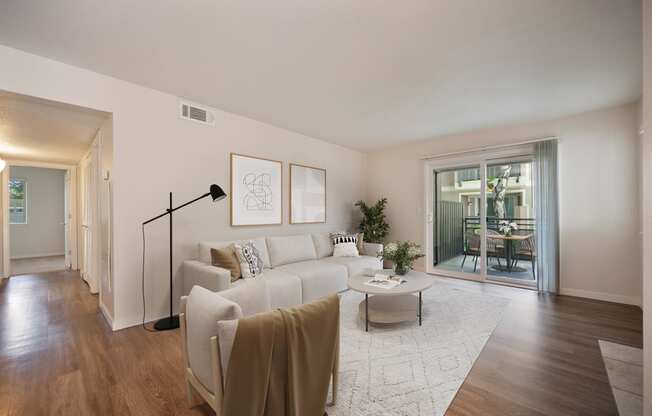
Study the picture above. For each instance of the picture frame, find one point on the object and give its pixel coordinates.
(256, 196)
(307, 194)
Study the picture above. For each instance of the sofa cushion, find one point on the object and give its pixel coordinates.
(252, 295)
(318, 278)
(284, 288)
(205, 249)
(203, 311)
(323, 244)
(356, 265)
(290, 249)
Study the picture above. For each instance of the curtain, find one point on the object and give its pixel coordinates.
(547, 216)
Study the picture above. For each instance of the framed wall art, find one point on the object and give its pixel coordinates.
(256, 191)
(307, 194)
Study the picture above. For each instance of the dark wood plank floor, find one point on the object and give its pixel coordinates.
(544, 357)
(59, 357)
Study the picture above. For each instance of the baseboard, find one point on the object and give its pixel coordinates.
(34, 256)
(608, 297)
(107, 315)
(118, 325)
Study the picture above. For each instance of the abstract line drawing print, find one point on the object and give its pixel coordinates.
(259, 196)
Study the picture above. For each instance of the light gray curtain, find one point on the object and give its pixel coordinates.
(547, 216)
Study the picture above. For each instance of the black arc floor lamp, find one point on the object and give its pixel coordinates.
(217, 194)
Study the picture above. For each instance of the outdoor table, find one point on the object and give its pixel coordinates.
(509, 242)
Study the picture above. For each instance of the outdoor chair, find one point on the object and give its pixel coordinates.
(472, 248)
(527, 251)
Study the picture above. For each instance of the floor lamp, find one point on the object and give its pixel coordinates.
(217, 194)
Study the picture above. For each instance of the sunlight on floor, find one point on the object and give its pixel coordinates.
(37, 265)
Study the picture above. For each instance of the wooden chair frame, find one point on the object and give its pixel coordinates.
(195, 390)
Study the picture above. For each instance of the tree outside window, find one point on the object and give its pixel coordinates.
(17, 201)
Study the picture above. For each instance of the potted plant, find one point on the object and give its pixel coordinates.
(373, 223)
(402, 254)
(506, 228)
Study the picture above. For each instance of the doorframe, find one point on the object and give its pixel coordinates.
(72, 201)
(475, 158)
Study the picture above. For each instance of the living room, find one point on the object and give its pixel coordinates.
(371, 110)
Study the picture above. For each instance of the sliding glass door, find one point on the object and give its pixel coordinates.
(456, 227)
(481, 223)
(510, 232)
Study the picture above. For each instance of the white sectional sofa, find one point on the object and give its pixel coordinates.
(297, 269)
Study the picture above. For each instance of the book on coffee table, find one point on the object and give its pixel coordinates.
(383, 282)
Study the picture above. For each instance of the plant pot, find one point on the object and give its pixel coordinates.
(401, 269)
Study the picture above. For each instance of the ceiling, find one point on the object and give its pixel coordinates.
(364, 74)
(40, 130)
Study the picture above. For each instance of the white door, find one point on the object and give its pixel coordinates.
(89, 220)
(67, 216)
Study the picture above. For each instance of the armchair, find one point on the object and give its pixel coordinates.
(204, 340)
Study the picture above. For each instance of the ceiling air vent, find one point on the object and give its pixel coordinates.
(197, 113)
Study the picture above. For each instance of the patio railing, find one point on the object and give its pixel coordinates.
(452, 230)
(525, 225)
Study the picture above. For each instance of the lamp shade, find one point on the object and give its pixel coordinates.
(217, 193)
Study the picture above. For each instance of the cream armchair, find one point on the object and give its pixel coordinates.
(207, 337)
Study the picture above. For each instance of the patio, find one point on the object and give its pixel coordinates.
(455, 264)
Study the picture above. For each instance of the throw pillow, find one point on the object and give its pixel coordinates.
(251, 262)
(225, 258)
(345, 250)
(344, 238)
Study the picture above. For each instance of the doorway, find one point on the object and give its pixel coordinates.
(481, 223)
(39, 205)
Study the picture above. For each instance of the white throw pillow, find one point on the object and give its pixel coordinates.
(251, 262)
(346, 250)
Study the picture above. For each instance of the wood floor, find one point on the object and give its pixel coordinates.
(38, 265)
(59, 357)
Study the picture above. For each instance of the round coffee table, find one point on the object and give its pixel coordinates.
(398, 304)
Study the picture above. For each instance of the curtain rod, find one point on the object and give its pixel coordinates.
(485, 148)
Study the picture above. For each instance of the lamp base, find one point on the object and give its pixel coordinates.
(166, 324)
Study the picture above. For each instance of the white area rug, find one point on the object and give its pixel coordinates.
(624, 366)
(410, 370)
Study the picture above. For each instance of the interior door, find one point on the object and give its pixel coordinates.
(85, 220)
(66, 220)
(89, 221)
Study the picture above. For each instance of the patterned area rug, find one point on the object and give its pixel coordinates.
(406, 369)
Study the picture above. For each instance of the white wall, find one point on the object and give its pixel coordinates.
(155, 152)
(599, 195)
(646, 124)
(105, 216)
(43, 235)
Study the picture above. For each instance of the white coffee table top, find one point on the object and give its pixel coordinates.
(416, 282)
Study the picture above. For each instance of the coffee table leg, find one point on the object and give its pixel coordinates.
(420, 304)
(366, 312)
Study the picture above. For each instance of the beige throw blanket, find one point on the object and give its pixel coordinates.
(282, 361)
